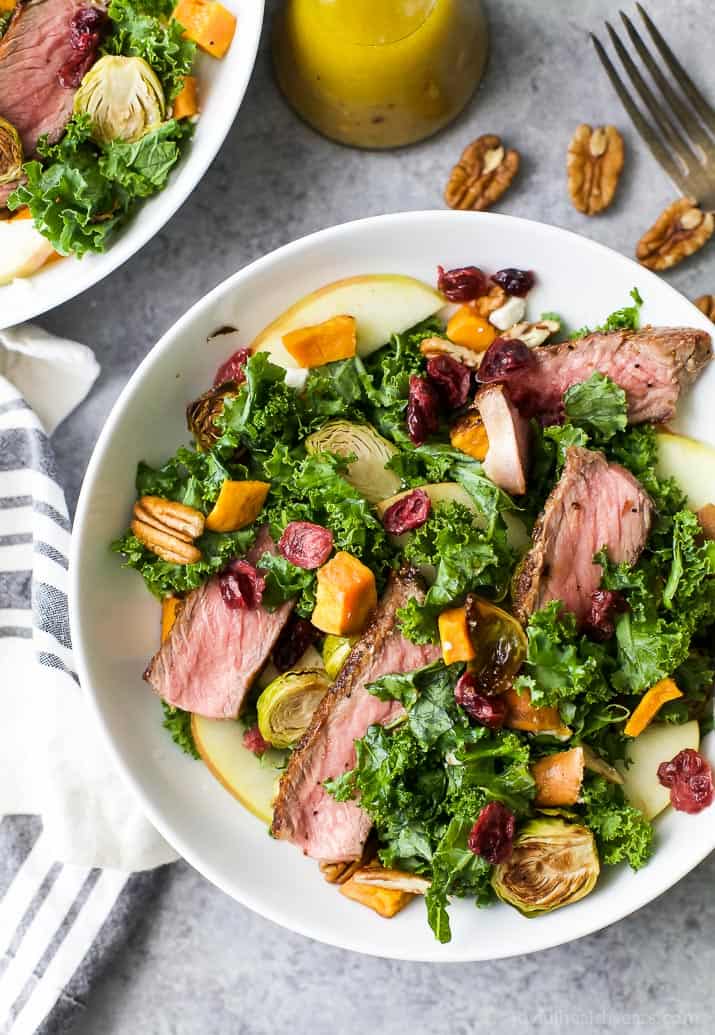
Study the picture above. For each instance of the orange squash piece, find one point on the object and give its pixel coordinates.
(385, 901)
(7, 5)
(207, 23)
(522, 715)
(559, 777)
(186, 102)
(170, 607)
(470, 330)
(323, 342)
(346, 594)
(649, 705)
(469, 435)
(454, 636)
(24, 212)
(238, 505)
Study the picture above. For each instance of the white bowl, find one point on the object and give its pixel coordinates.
(115, 623)
(222, 85)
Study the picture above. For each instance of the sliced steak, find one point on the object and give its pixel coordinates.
(214, 652)
(594, 504)
(43, 55)
(652, 366)
(304, 812)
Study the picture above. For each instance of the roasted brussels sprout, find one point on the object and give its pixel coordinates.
(335, 652)
(123, 98)
(367, 473)
(11, 155)
(286, 706)
(500, 644)
(202, 412)
(553, 863)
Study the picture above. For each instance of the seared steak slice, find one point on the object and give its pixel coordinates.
(36, 56)
(594, 504)
(652, 366)
(304, 812)
(214, 652)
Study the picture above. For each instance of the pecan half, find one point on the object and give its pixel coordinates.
(494, 299)
(442, 347)
(168, 529)
(533, 334)
(706, 304)
(679, 231)
(482, 174)
(593, 165)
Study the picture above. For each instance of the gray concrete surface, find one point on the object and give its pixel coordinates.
(199, 963)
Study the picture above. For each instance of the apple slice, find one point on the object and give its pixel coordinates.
(252, 780)
(659, 743)
(691, 463)
(383, 304)
(23, 249)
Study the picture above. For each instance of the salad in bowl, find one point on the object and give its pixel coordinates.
(436, 587)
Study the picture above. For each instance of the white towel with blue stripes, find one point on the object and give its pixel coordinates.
(71, 832)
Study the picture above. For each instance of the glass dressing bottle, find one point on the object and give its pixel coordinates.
(379, 73)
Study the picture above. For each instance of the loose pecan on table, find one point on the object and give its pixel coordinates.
(594, 164)
(679, 231)
(706, 304)
(482, 174)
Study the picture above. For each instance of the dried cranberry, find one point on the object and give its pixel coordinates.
(488, 710)
(422, 410)
(690, 780)
(599, 623)
(242, 585)
(306, 545)
(504, 358)
(253, 740)
(514, 282)
(87, 28)
(293, 642)
(492, 836)
(452, 378)
(232, 369)
(408, 513)
(461, 284)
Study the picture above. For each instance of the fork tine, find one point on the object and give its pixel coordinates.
(681, 110)
(682, 78)
(649, 136)
(678, 144)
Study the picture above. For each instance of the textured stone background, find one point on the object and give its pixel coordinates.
(200, 962)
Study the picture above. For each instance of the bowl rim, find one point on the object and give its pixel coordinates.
(443, 953)
(134, 235)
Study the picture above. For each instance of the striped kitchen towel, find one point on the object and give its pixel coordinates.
(77, 857)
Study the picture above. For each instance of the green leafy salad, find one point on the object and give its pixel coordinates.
(520, 759)
(132, 117)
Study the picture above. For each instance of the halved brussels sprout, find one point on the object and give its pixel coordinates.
(335, 652)
(122, 96)
(11, 153)
(202, 412)
(500, 643)
(286, 706)
(552, 864)
(367, 472)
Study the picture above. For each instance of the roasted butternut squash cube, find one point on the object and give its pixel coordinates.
(208, 23)
(649, 705)
(346, 594)
(558, 777)
(454, 636)
(238, 505)
(385, 901)
(323, 342)
(170, 607)
(186, 102)
(470, 330)
(469, 435)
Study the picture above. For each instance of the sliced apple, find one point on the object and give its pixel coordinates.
(23, 249)
(659, 743)
(252, 780)
(691, 463)
(383, 304)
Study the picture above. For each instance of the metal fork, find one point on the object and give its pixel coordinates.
(681, 144)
